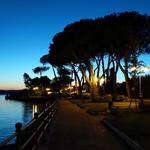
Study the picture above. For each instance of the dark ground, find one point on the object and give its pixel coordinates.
(74, 129)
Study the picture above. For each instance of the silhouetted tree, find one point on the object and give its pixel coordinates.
(86, 43)
(44, 60)
(40, 70)
(27, 80)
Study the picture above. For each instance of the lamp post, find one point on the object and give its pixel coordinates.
(140, 70)
(141, 104)
(140, 87)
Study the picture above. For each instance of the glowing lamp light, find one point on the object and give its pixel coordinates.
(102, 80)
(95, 80)
(36, 88)
(70, 87)
(133, 68)
(49, 92)
(47, 89)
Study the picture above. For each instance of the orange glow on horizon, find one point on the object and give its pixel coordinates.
(11, 86)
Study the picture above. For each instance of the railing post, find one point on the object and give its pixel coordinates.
(33, 131)
(36, 115)
(44, 122)
(18, 127)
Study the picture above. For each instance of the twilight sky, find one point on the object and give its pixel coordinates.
(28, 26)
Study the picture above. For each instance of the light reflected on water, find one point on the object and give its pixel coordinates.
(12, 112)
(34, 110)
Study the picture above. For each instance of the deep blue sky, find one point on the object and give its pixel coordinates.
(28, 26)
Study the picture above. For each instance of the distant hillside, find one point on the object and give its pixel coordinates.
(9, 91)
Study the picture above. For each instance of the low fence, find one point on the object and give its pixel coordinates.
(28, 137)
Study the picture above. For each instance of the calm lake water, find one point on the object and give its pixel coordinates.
(12, 111)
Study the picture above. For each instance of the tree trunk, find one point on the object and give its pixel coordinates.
(115, 70)
(98, 75)
(94, 92)
(77, 80)
(94, 87)
(84, 75)
(113, 87)
(125, 72)
(127, 84)
(106, 74)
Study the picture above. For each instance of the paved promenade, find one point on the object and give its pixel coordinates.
(74, 129)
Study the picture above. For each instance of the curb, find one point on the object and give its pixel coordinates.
(123, 136)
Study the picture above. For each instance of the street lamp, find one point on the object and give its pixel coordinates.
(140, 70)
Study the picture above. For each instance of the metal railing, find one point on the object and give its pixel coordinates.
(28, 137)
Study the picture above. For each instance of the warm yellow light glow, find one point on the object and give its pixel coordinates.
(102, 81)
(34, 109)
(36, 88)
(95, 79)
(133, 68)
(47, 89)
(49, 92)
(69, 87)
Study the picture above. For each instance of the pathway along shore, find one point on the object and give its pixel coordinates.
(74, 129)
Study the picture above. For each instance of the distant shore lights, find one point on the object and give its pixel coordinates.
(36, 88)
(48, 91)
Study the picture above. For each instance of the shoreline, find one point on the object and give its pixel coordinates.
(29, 98)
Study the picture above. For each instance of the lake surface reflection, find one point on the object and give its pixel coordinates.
(12, 111)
